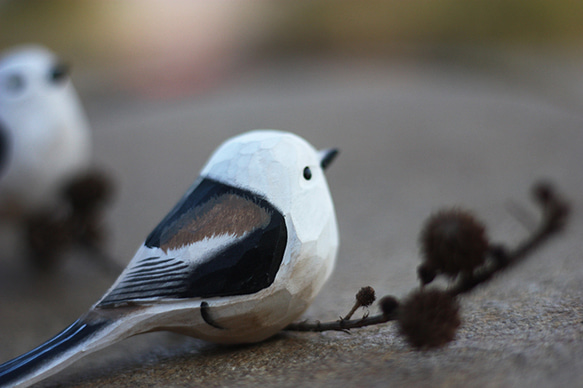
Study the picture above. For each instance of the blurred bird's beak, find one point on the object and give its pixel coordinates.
(327, 156)
(59, 72)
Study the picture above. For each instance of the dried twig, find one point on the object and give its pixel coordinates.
(555, 213)
(341, 324)
(430, 318)
(364, 298)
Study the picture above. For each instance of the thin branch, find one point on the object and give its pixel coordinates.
(341, 325)
(555, 212)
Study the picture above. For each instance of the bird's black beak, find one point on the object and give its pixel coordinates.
(327, 156)
(59, 72)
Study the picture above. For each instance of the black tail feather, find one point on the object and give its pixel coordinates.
(43, 357)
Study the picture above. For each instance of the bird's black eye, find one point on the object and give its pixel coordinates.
(59, 73)
(307, 173)
(15, 84)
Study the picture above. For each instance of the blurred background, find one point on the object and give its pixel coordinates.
(181, 76)
(153, 47)
(432, 103)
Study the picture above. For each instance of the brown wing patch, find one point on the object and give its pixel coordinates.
(226, 214)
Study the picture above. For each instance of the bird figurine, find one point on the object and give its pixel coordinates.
(44, 134)
(47, 186)
(239, 257)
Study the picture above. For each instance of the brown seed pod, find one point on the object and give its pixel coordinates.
(388, 305)
(428, 318)
(452, 241)
(88, 192)
(543, 192)
(366, 296)
(425, 273)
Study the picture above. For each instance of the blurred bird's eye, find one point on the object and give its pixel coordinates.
(307, 173)
(59, 73)
(15, 84)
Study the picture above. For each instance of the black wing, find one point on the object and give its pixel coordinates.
(212, 209)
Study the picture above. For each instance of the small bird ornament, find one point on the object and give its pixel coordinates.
(44, 134)
(239, 257)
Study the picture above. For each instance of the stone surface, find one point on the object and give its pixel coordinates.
(414, 137)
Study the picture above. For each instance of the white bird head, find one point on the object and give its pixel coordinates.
(282, 167)
(30, 72)
(41, 122)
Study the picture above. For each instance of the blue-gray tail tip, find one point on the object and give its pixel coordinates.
(33, 363)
